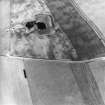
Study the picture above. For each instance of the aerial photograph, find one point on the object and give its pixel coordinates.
(52, 52)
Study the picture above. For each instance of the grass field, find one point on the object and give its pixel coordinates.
(84, 39)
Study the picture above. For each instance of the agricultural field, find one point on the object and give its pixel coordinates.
(57, 82)
(82, 36)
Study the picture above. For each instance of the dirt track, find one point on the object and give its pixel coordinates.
(95, 10)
